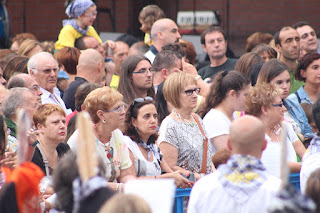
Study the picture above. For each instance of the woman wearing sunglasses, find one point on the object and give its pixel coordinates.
(265, 102)
(276, 73)
(135, 78)
(107, 112)
(227, 95)
(182, 136)
(141, 127)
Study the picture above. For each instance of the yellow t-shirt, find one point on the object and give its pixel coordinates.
(147, 39)
(114, 81)
(68, 35)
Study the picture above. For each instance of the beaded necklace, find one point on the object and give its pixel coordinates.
(107, 148)
(191, 123)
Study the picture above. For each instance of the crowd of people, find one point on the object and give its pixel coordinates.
(215, 126)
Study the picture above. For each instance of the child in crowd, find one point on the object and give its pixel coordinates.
(82, 14)
(148, 15)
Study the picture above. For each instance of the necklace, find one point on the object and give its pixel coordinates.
(108, 149)
(277, 132)
(191, 123)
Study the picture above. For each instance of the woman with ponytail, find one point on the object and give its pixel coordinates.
(227, 95)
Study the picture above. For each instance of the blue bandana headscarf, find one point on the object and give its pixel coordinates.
(78, 7)
(74, 10)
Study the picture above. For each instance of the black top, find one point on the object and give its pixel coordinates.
(210, 72)
(153, 50)
(8, 200)
(68, 96)
(95, 201)
(62, 149)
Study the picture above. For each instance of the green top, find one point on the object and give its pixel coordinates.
(12, 126)
(295, 84)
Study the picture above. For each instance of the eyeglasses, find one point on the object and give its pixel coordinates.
(189, 92)
(278, 105)
(34, 88)
(91, 15)
(119, 109)
(48, 70)
(143, 71)
(140, 100)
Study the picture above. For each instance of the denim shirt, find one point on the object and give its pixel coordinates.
(294, 108)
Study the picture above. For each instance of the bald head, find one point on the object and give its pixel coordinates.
(165, 31)
(90, 58)
(91, 66)
(247, 136)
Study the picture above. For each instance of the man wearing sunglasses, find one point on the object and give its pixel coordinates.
(44, 69)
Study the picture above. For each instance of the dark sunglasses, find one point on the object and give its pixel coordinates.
(278, 105)
(189, 92)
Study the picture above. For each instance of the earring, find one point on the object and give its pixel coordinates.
(104, 121)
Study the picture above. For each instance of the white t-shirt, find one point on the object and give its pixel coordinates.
(309, 165)
(310, 162)
(208, 195)
(142, 166)
(272, 154)
(216, 124)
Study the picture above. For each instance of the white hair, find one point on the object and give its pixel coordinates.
(34, 60)
(15, 97)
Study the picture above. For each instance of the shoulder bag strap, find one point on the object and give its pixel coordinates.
(45, 160)
(298, 96)
(205, 145)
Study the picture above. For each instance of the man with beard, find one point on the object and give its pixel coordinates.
(308, 38)
(214, 43)
(287, 42)
(163, 32)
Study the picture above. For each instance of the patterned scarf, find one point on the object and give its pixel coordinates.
(154, 149)
(242, 176)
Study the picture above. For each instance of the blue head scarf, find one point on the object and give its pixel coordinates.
(78, 7)
(74, 10)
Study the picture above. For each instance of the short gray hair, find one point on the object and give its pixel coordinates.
(34, 60)
(14, 99)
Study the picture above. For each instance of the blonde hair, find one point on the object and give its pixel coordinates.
(260, 95)
(126, 203)
(174, 85)
(26, 46)
(101, 99)
(48, 46)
